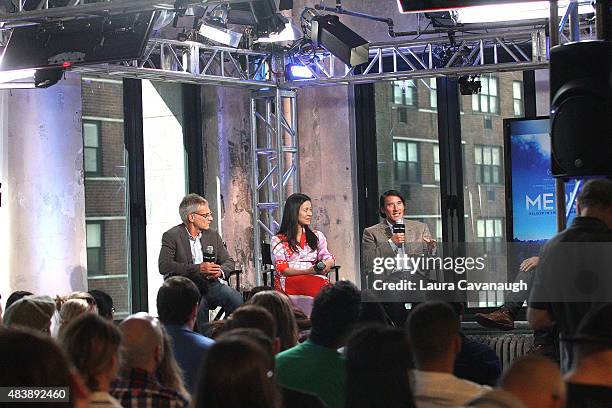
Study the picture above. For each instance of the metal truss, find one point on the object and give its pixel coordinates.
(274, 147)
(192, 62)
(471, 54)
(48, 10)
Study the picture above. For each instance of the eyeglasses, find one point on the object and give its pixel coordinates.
(207, 215)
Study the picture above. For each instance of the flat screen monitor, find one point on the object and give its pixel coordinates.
(415, 6)
(531, 211)
(79, 41)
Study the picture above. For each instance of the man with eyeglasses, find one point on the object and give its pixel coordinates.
(183, 253)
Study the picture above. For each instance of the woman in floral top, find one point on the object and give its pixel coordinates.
(296, 251)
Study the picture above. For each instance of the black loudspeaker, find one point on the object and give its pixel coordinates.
(581, 108)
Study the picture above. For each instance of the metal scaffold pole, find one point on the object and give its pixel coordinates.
(275, 175)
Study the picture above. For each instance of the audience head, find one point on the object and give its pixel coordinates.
(70, 310)
(15, 296)
(177, 301)
(433, 334)
(92, 344)
(32, 312)
(30, 359)
(142, 342)
(256, 335)
(280, 308)
(104, 303)
(595, 200)
(87, 297)
(253, 317)
(536, 381)
(335, 310)
(593, 338)
(258, 289)
(169, 374)
(377, 362)
(237, 373)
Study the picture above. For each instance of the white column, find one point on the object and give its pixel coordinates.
(43, 197)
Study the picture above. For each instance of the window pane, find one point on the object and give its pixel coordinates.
(484, 103)
(498, 228)
(484, 82)
(495, 156)
(165, 169)
(475, 105)
(90, 134)
(412, 152)
(480, 228)
(495, 170)
(400, 151)
(478, 155)
(518, 108)
(397, 93)
(490, 228)
(94, 235)
(414, 175)
(90, 160)
(493, 104)
(486, 174)
(106, 194)
(493, 87)
(436, 153)
(517, 90)
(486, 155)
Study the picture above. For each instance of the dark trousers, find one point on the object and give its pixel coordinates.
(218, 295)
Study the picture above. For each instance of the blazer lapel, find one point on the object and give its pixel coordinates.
(184, 241)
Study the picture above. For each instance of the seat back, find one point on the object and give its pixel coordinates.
(266, 256)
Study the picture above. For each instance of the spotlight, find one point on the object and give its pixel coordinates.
(295, 71)
(469, 85)
(262, 15)
(220, 34)
(327, 31)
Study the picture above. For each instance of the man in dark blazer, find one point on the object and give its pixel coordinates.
(182, 253)
(379, 241)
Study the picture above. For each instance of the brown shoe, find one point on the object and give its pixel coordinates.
(499, 319)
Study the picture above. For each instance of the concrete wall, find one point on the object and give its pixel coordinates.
(227, 171)
(327, 173)
(43, 198)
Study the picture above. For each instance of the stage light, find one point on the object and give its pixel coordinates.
(262, 15)
(290, 33)
(327, 31)
(295, 71)
(469, 85)
(221, 35)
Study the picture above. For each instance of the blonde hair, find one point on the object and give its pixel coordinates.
(69, 310)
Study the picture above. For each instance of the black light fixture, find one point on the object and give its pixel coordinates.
(262, 15)
(327, 31)
(469, 84)
(44, 78)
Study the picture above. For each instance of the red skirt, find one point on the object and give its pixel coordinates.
(300, 285)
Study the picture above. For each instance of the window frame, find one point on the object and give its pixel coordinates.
(416, 164)
(481, 169)
(98, 149)
(478, 98)
(100, 256)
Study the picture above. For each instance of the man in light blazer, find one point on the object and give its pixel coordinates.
(182, 253)
(379, 241)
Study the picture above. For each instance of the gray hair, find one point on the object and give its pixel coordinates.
(189, 204)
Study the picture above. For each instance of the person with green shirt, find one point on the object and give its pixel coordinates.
(316, 366)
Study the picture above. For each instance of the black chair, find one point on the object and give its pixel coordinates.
(236, 274)
(268, 266)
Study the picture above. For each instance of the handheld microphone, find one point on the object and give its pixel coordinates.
(209, 254)
(399, 228)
